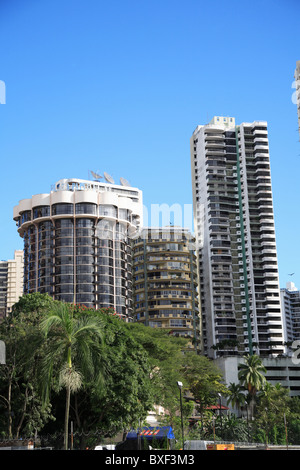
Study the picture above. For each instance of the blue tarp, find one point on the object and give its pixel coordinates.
(158, 432)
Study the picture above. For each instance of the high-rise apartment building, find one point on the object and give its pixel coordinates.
(11, 282)
(290, 304)
(76, 242)
(234, 227)
(297, 82)
(166, 282)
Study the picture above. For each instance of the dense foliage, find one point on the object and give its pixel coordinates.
(69, 364)
(120, 374)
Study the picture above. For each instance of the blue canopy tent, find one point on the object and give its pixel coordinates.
(153, 433)
(154, 436)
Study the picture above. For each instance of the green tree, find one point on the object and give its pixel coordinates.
(35, 303)
(233, 428)
(273, 405)
(204, 380)
(293, 420)
(20, 403)
(236, 396)
(127, 395)
(251, 375)
(74, 347)
(167, 368)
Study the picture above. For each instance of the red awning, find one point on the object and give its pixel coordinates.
(216, 407)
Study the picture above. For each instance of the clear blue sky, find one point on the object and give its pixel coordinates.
(120, 85)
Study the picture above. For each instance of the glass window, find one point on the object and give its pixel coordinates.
(64, 279)
(41, 211)
(63, 297)
(84, 260)
(64, 269)
(105, 279)
(88, 223)
(25, 216)
(64, 223)
(60, 209)
(105, 289)
(64, 228)
(105, 229)
(85, 250)
(65, 241)
(105, 299)
(109, 211)
(63, 250)
(85, 269)
(85, 208)
(85, 298)
(85, 278)
(84, 287)
(63, 260)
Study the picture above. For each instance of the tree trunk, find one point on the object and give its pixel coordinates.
(9, 410)
(67, 411)
(23, 414)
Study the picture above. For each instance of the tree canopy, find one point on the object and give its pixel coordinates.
(140, 367)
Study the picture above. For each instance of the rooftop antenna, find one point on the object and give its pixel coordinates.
(95, 175)
(108, 178)
(124, 182)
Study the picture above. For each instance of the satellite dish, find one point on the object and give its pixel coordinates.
(108, 178)
(124, 182)
(95, 175)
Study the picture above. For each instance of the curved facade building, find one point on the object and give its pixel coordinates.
(77, 242)
(166, 282)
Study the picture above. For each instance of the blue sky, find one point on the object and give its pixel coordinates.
(119, 86)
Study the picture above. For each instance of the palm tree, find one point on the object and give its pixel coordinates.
(236, 396)
(251, 376)
(73, 349)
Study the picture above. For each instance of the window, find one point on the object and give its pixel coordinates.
(59, 209)
(84, 208)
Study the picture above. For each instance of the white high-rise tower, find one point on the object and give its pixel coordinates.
(234, 227)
